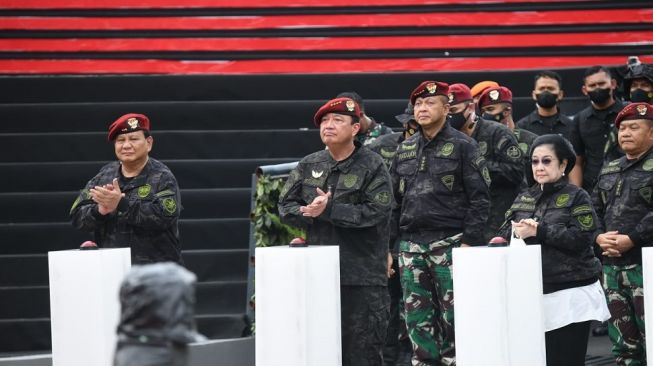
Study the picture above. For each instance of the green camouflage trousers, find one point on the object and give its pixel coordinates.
(624, 290)
(427, 283)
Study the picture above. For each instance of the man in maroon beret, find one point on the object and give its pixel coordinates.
(133, 202)
(440, 182)
(623, 200)
(342, 196)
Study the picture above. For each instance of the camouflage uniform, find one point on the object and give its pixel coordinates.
(441, 189)
(375, 131)
(146, 218)
(525, 139)
(622, 198)
(505, 161)
(356, 219)
(397, 348)
(567, 224)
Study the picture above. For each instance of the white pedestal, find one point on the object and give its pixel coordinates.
(84, 304)
(498, 306)
(647, 274)
(298, 306)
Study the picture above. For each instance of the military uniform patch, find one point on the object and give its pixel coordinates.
(486, 176)
(144, 191)
(648, 165)
(350, 105)
(350, 180)
(494, 95)
(646, 193)
(431, 87)
(382, 198)
(170, 205)
(402, 185)
(482, 147)
(448, 180)
(388, 153)
(524, 147)
(315, 174)
(582, 209)
(527, 199)
(408, 146)
(447, 149)
(586, 221)
(562, 200)
(514, 152)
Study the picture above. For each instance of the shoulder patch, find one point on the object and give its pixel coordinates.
(382, 198)
(387, 153)
(586, 221)
(408, 146)
(170, 205)
(582, 209)
(562, 200)
(648, 165)
(513, 152)
(486, 176)
(524, 147)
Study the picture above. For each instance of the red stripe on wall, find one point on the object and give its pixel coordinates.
(302, 66)
(324, 44)
(157, 4)
(331, 21)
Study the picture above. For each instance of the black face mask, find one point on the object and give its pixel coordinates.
(546, 99)
(641, 95)
(493, 117)
(599, 96)
(457, 120)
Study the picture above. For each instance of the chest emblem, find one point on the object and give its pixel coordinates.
(144, 191)
(646, 193)
(447, 149)
(482, 147)
(317, 174)
(350, 180)
(448, 180)
(648, 165)
(562, 200)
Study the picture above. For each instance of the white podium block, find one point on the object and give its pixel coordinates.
(85, 305)
(647, 274)
(298, 306)
(498, 311)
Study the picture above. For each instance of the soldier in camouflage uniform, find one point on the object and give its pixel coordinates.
(397, 350)
(622, 198)
(498, 146)
(440, 182)
(342, 196)
(370, 129)
(133, 202)
(558, 216)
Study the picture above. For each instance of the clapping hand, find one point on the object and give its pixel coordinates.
(315, 208)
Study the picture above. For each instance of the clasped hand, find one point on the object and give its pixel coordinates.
(525, 228)
(107, 196)
(613, 244)
(315, 208)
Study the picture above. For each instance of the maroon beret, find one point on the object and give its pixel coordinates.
(634, 111)
(128, 123)
(344, 106)
(495, 95)
(429, 89)
(459, 93)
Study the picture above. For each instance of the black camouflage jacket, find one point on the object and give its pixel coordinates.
(386, 146)
(441, 188)
(146, 219)
(567, 225)
(356, 216)
(622, 198)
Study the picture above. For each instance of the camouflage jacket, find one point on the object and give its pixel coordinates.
(622, 198)
(525, 140)
(356, 216)
(567, 225)
(386, 146)
(146, 218)
(441, 188)
(374, 132)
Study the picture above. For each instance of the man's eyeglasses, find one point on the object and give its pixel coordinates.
(545, 161)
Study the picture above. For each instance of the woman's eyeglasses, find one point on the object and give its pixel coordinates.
(545, 161)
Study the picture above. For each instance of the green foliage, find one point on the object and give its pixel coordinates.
(268, 228)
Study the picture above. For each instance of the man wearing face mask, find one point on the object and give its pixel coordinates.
(597, 135)
(496, 105)
(498, 146)
(638, 84)
(547, 119)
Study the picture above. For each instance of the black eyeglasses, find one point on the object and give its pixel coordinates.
(545, 161)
